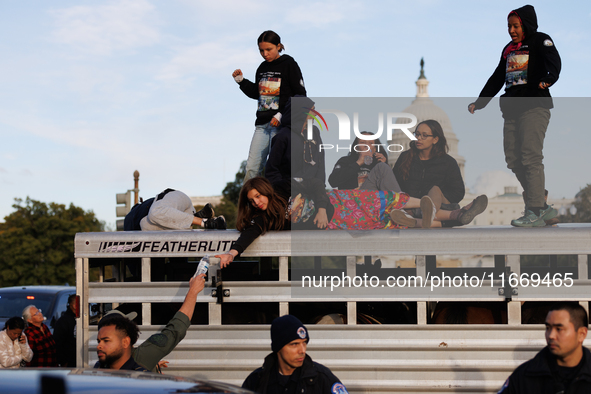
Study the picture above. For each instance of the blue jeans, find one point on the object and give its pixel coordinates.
(259, 149)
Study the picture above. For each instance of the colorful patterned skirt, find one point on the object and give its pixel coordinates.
(364, 210)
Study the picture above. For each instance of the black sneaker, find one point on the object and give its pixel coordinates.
(218, 223)
(205, 213)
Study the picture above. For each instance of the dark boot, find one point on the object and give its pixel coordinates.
(205, 213)
(470, 211)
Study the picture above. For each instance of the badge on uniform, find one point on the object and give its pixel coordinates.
(338, 388)
(504, 386)
(548, 43)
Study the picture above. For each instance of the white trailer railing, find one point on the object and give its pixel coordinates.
(377, 358)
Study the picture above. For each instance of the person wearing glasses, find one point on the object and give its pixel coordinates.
(40, 339)
(426, 169)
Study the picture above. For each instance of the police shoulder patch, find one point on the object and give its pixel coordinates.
(504, 386)
(158, 340)
(548, 43)
(338, 388)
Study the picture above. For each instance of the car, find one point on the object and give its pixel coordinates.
(86, 380)
(51, 300)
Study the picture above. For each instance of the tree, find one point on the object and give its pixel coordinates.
(232, 189)
(583, 205)
(228, 206)
(37, 242)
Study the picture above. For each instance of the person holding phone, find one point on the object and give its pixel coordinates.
(14, 348)
(365, 167)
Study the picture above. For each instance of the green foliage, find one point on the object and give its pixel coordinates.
(37, 242)
(232, 189)
(583, 205)
(229, 210)
(225, 208)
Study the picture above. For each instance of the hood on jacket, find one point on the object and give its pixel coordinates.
(529, 20)
(294, 118)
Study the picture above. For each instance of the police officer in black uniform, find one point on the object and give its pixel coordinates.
(289, 370)
(564, 366)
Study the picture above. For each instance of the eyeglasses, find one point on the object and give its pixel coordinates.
(422, 136)
(37, 313)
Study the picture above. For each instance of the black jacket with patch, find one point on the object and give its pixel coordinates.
(310, 378)
(536, 377)
(539, 62)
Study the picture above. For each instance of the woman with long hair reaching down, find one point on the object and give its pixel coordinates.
(265, 207)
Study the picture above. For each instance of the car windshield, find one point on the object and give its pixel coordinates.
(12, 304)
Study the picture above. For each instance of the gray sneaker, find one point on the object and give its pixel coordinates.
(428, 210)
(530, 219)
(548, 213)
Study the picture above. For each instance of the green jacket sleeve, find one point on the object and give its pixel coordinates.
(161, 344)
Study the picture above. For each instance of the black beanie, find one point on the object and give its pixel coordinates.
(285, 329)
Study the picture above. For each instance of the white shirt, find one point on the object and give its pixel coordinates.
(13, 352)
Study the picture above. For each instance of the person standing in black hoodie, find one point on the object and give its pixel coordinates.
(529, 65)
(292, 154)
(277, 79)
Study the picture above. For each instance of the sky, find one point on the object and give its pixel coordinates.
(91, 91)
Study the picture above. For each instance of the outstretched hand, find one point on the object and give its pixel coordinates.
(472, 108)
(225, 259)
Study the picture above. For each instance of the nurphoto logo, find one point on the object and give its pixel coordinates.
(344, 128)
